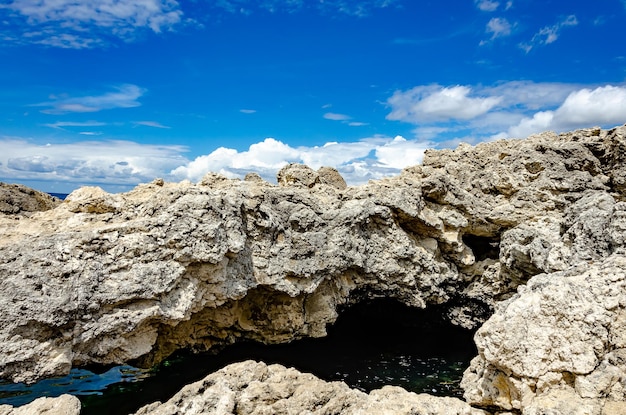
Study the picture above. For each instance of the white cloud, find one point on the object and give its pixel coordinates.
(582, 108)
(153, 124)
(336, 117)
(84, 24)
(540, 121)
(498, 27)
(603, 105)
(510, 109)
(63, 124)
(369, 158)
(549, 34)
(530, 95)
(400, 153)
(247, 111)
(110, 162)
(437, 103)
(487, 5)
(124, 96)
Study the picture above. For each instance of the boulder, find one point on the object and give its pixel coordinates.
(254, 388)
(63, 405)
(19, 199)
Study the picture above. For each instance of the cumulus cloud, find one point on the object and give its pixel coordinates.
(124, 96)
(510, 109)
(548, 34)
(437, 103)
(85, 24)
(115, 163)
(586, 107)
(369, 158)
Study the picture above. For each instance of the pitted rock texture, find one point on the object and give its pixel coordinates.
(63, 405)
(115, 278)
(19, 199)
(564, 331)
(253, 388)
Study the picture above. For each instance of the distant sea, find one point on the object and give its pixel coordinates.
(61, 196)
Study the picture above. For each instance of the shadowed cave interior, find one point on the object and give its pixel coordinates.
(372, 344)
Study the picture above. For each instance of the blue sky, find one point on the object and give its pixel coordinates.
(118, 92)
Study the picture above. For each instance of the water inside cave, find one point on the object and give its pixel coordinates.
(372, 344)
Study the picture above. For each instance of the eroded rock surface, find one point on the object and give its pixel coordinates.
(533, 230)
(256, 388)
(19, 199)
(63, 405)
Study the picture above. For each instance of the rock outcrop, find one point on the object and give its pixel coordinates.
(527, 235)
(253, 388)
(63, 405)
(21, 200)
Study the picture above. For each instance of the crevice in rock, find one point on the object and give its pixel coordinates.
(483, 247)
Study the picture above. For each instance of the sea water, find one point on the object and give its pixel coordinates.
(370, 346)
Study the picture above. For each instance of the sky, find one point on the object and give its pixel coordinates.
(119, 92)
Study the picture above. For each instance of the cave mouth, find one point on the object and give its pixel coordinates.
(373, 343)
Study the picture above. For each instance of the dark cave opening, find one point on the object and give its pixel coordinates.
(483, 247)
(372, 344)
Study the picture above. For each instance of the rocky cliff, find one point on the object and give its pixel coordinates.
(522, 237)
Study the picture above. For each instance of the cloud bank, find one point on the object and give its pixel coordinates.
(512, 109)
(106, 162)
(440, 116)
(128, 163)
(358, 162)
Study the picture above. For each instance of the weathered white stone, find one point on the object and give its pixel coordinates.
(63, 405)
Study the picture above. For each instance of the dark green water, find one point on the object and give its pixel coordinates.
(370, 346)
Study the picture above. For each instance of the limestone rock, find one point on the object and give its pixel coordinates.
(533, 230)
(561, 339)
(19, 199)
(63, 405)
(255, 388)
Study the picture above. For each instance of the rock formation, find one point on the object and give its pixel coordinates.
(253, 388)
(19, 199)
(63, 405)
(527, 235)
